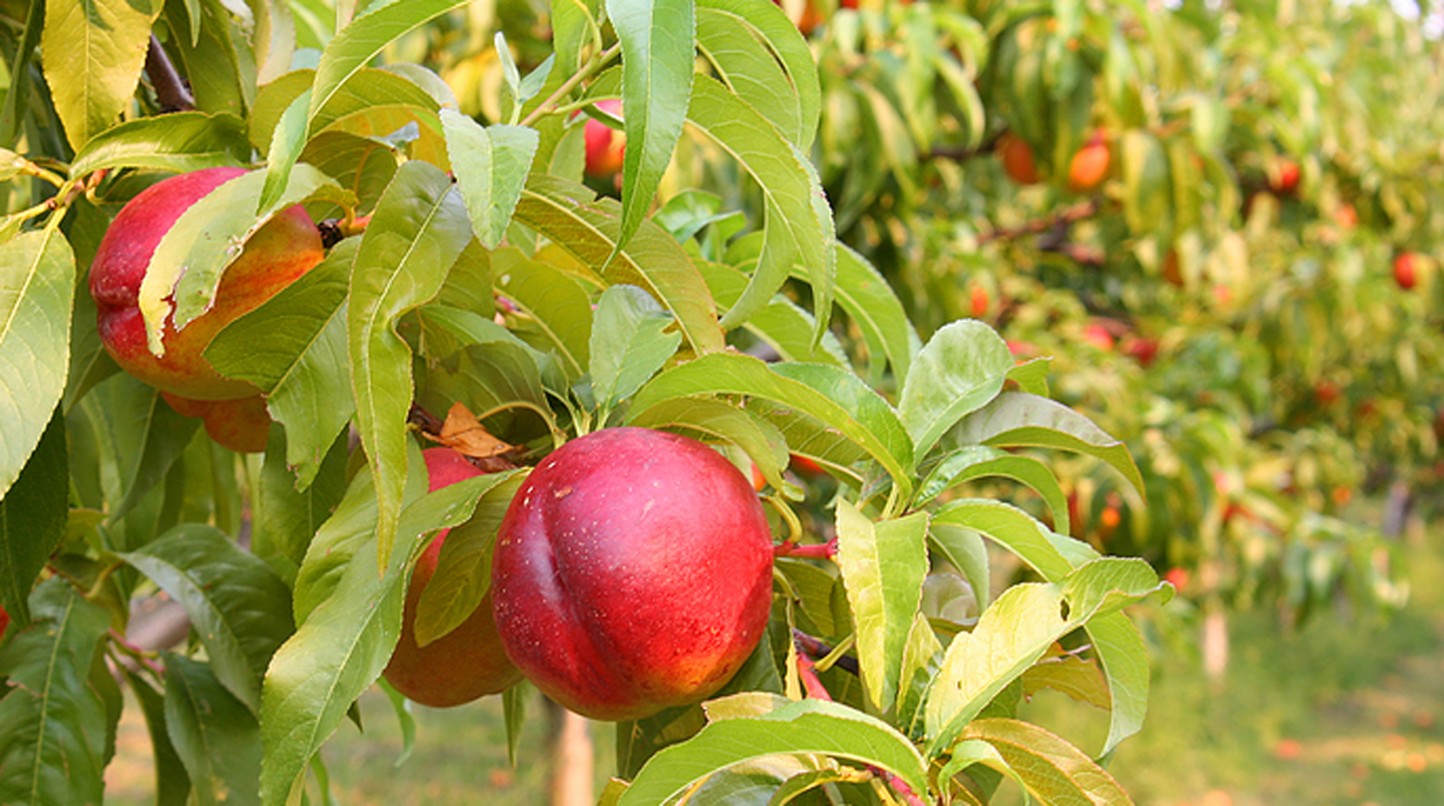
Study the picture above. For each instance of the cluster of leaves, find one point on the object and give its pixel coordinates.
(478, 270)
(1246, 331)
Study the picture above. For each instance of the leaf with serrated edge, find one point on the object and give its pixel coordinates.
(417, 232)
(92, 54)
(629, 343)
(755, 53)
(1052, 769)
(979, 461)
(52, 723)
(216, 737)
(1017, 629)
(293, 348)
(807, 726)
(37, 285)
(958, 371)
(240, 609)
(586, 227)
(861, 416)
(1011, 528)
(491, 165)
(356, 44)
(1018, 419)
(179, 142)
(883, 565)
(658, 40)
(796, 231)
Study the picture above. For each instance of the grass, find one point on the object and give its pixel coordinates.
(1344, 710)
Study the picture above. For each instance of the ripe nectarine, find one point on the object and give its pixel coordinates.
(606, 147)
(633, 572)
(1089, 165)
(1017, 157)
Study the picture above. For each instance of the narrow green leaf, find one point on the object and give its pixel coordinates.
(215, 736)
(288, 517)
(92, 54)
(417, 232)
(883, 565)
(491, 166)
(52, 722)
(719, 421)
(964, 550)
(586, 228)
(1012, 528)
(287, 141)
(1052, 769)
(33, 517)
(172, 782)
(786, 91)
(867, 298)
(629, 343)
(979, 461)
(921, 659)
(807, 726)
(463, 571)
(143, 435)
(293, 347)
(355, 45)
(833, 396)
(1018, 419)
(797, 229)
(558, 310)
(959, 370)
(1124, 655)
(346, 638)
(659, 42)
(240, 609)
(782, 323)
(37, 284)
(217, 59)
(179, 142)
(404, 720)
(513, 704)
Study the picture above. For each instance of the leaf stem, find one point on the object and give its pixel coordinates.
(143, 657)
(590, 69)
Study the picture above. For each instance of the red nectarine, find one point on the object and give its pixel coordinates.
(1089, 165)
(606, 147)
(1017, 157)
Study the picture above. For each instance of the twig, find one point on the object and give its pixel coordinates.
(171, 90)
(1067, 216)
(591, 69)
(815, 647)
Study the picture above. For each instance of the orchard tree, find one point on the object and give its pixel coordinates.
(343, 357)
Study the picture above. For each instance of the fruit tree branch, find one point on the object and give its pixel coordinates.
(1038, 226)
(170, 89)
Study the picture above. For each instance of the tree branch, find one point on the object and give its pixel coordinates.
(171, 90)
(1064, 217)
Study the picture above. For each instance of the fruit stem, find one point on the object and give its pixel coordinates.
(141, 656)
(811, 683)
(811, 551)
(815, 647)
(592, 67)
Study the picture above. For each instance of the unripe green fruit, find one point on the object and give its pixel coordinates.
(633, 572)
(466, 663)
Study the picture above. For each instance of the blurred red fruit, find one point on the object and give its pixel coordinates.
(1405, 271)
(1017, 157)
(1090, 165)
(978, 304)
(606, 148)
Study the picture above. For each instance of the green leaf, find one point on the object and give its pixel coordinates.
(719, 421)
(978, 461)
(1147, 186)
(765, 61)
(1012, 528)
(404, 720)
(1121, 650)
(1052, 769)
(287, 142)
(513, 703)
(33, 517)
(179, 142)
(659, 42)
(463, 570)
(143, 435)
(883, 565)
(782, 323)
(867, 298)
(1017, 629)
(922, 657)
(219, 66)
(959, 370)
(92, 54)
(964, 549)
(215, 736)
(833, 396)
(807, 726)
(558, 309)
(293, 347)
(52, 722)
(417, 232)
(586, 228)
(37, 284)
(347, 637)
(359, 42)
(172, 782)
(288, 517)
(629, 343)
(797, 228)
(1018, 419)
(240, 609)
(491, 166)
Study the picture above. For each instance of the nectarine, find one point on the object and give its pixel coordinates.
(466, 663)
(1089, 165)
(633, 572)
(1017, 157)
(1405, 273)
(606, 147)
